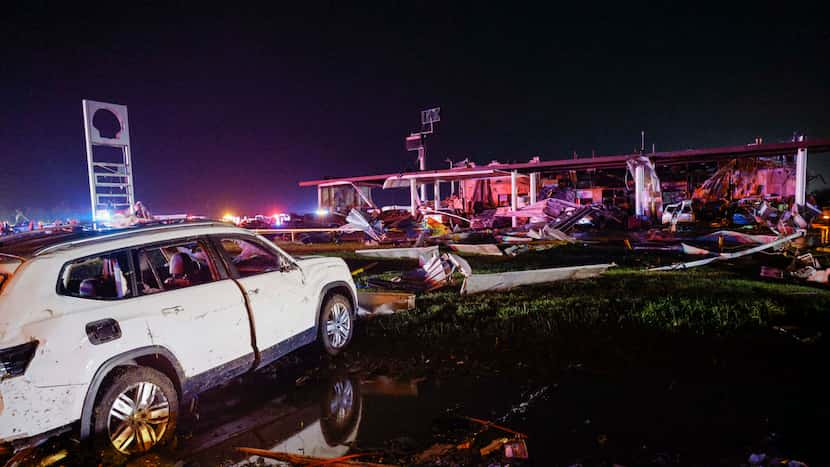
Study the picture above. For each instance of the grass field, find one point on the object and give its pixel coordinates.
(627, 303)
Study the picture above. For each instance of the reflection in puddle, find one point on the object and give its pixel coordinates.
(315, 420)
(576, 417)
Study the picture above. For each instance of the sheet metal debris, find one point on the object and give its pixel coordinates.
(357, 220)
(728, 256)
(401, 253)
(435, 271)
(477, 283)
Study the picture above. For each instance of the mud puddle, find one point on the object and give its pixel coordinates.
(576, 415)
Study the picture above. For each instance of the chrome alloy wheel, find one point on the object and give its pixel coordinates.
(339, 325)
(138, 418)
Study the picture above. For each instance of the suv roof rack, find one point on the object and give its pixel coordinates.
(99, 236)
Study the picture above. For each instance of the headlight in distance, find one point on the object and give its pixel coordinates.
(15, 360)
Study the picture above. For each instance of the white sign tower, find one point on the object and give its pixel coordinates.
(110, 178)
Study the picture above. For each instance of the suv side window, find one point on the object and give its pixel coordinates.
(173, 266)
(250, 257)
(103, 277)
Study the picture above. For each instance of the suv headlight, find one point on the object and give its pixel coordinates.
(15, 360)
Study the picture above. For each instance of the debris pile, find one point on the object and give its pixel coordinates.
(435, 270)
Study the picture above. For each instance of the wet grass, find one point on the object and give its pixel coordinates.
(626, 308)
(703, 302)
(711, 301)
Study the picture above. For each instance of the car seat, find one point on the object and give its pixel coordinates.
(88, 288)
(183, 271)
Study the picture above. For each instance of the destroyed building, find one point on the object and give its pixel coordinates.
(644, 187)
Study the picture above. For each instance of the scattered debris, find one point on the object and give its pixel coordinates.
(494, 445)
(433, 453)
(401, 253)
(693, 250)
(383, 303)
(356, 220)
(516, 449)
(484, 249)
(489, 424)
(477, 283)
(309, 461)
(359, 271)
(737, 237)
(549, 233)
(772, 273)
(728, 256)
(435, 271)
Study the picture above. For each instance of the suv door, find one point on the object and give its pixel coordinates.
(275, 288)
(197, 311)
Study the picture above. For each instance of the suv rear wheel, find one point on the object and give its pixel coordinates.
(336, 324)
(136, 412)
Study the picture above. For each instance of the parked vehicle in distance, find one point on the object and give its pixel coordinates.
(681, 211)
(256, 224)
(114, 331)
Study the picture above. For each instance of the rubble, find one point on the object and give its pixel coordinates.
(435, 271)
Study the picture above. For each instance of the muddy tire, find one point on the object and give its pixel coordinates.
(336, 324)
(136, 412)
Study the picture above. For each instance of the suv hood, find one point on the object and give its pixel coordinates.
(324, 268)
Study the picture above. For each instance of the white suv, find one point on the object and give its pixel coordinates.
(111, 333)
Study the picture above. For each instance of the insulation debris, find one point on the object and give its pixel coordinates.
(477, 283)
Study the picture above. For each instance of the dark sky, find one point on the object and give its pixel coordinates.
(230, 108)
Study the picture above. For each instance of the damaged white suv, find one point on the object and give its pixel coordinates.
(111, 333)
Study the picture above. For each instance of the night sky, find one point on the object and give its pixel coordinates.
(230, 108)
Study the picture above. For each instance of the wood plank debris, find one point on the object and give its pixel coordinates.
(383, 303)
(488, 249)
(296, 459)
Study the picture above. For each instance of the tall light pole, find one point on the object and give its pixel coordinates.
(416, 141)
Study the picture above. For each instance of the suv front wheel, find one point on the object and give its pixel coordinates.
(137, 411)
(336, 324)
